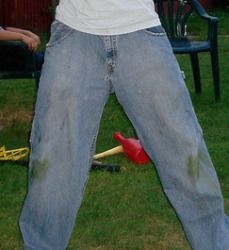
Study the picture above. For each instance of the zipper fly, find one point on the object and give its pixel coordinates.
(111, 54)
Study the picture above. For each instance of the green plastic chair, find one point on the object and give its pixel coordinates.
(174, 16)
(16, 61)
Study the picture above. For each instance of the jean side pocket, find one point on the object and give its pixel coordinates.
(155, 31)
(59, 31)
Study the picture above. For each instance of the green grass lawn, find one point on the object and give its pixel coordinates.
(126, 210)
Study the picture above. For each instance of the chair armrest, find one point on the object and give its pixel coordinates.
(212, 21)
(201, 11)
(14, 44)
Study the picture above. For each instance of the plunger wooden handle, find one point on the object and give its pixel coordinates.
(113, 151)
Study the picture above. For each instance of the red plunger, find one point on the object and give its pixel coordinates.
(132, 149)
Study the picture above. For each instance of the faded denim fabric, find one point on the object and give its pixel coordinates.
(79, 73)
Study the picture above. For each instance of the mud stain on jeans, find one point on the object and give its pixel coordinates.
(193, 167)
(38, 169)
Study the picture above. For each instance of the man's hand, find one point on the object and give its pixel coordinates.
(31, 43)
(26, 36)
(33, 36)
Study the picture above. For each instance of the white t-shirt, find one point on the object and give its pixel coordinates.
(107, 17)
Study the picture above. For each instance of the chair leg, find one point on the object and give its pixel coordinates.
(215, 72)
(196, 72)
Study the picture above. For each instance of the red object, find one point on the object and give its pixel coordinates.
(132, 149)
(35, 15)
(208, 4)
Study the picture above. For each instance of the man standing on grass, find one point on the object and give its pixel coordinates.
(98, 47)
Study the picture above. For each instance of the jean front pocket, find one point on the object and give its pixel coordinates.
(155, 31)
(59, 31)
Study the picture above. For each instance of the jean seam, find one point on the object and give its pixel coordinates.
(90, 156)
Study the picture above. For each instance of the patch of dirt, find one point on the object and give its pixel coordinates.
(9, 116)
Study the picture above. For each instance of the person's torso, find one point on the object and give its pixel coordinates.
(107, 17)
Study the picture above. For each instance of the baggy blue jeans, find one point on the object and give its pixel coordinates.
(79, 73)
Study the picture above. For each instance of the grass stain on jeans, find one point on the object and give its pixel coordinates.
(193, 167)
(38, 169)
